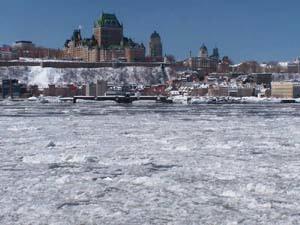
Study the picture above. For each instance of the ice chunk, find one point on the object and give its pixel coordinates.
(51, 144)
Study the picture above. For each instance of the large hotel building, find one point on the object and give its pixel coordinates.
(108, 44)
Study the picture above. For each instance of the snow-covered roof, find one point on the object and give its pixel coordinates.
(283, 64)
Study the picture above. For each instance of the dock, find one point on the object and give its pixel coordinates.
(288, 101)
(123, 99)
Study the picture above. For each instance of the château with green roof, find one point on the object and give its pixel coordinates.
(108, 30)
(106, 44)
(108, 20)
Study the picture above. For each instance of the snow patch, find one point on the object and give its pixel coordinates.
(36, 75)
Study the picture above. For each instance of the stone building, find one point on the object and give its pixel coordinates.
(107, 44)
(155, 47)
(245, 91)
(11, 88)
(96, 89)
(27, 49)
(7, 53)
(201, 91)
(204, 63)
(294, 67)
(101, 87)
(203, 53)
(218, 90)
(108, 31)
(69, 90)
(224, 65)
(286, 89)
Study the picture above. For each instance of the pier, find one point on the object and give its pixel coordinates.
(288, 101)
(123, 99)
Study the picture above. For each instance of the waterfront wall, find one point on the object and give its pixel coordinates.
(18, 63)
(96, 65)
(50, 64)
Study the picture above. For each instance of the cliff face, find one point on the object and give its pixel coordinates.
(36, 75)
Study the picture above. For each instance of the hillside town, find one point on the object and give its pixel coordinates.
(209, 74)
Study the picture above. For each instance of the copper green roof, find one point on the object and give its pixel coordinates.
(76, 35)
(155, 35)
(203, 47)
(108, 20)
(90, 42)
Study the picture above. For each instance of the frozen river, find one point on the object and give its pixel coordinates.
(102, 163)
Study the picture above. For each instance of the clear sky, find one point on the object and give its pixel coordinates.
(243, 29)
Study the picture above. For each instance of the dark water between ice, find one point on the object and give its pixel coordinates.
(95, 163)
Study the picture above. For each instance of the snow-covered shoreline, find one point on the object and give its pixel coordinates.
(36, 75)
(187, 100)
(227, 100)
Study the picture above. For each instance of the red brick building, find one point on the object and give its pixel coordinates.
(26, 49)
(155, 90)
(64, 91)
(7, 53)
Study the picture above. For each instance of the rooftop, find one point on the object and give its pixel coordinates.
(155, 35)
(203, 47)
(23, 42)
(108, 20)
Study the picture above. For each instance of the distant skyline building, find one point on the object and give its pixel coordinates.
(215, 54)
(7, 53)
(27, 49)
(203, 53)
(107, 43)
(155, 45)
(204, 63)
(285, 89)
(108, 31)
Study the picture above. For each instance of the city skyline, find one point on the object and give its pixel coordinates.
(244, 31)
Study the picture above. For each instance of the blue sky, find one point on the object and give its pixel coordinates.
(257, 29)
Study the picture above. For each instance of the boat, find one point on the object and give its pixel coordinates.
(43, 100)
(32, 99)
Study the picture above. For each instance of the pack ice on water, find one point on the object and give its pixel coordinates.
(103, 163)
